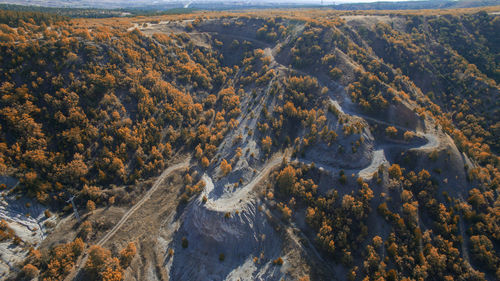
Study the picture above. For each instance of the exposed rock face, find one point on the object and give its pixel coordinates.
(27, 219)
(239, 237)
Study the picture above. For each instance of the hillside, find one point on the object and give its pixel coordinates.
(258, 145)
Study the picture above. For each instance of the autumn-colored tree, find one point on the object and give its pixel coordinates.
(266, 144)
(285, 210)
(127, 254)
(335, 73)
(395, 171)
(188, 179)
(198, 152)
(391, 131)
(408, 135)
(352, 206)
(205, 162)
(112, 271)
(286, 179)
(377, 242)
(96, 259)
(61, 260)
(225, 167)
(90, 206)
(482, 249)
(101, 265)
(5, 231)
(30, 271)
(85, 230)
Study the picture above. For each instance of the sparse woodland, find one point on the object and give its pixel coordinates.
(87, 104)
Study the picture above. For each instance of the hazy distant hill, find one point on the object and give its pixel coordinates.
(414, 5)
(232, 4)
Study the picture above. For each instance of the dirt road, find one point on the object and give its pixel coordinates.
(81, 262)
(134, 208)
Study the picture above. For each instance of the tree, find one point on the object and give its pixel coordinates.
(395, 171)
(85, 230)
(198, 152)
(483, 251)
(285, 211)
(61, 260)
(30, 271)
(278, 261)
(411, 211)
(286, 179)
(225, 167)
(96, 259)
(205, 162)
(112, 271)
(90, 206)
(266, 144)
(127, 254)
(408, 135)
(335, 73)
(73, 171)
(377, 242)
(391, 131)
(352, 206)
(102, 266)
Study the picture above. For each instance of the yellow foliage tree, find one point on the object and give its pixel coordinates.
(225, 167)
(266, 144)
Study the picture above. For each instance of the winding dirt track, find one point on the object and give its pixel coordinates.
(134, 208)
